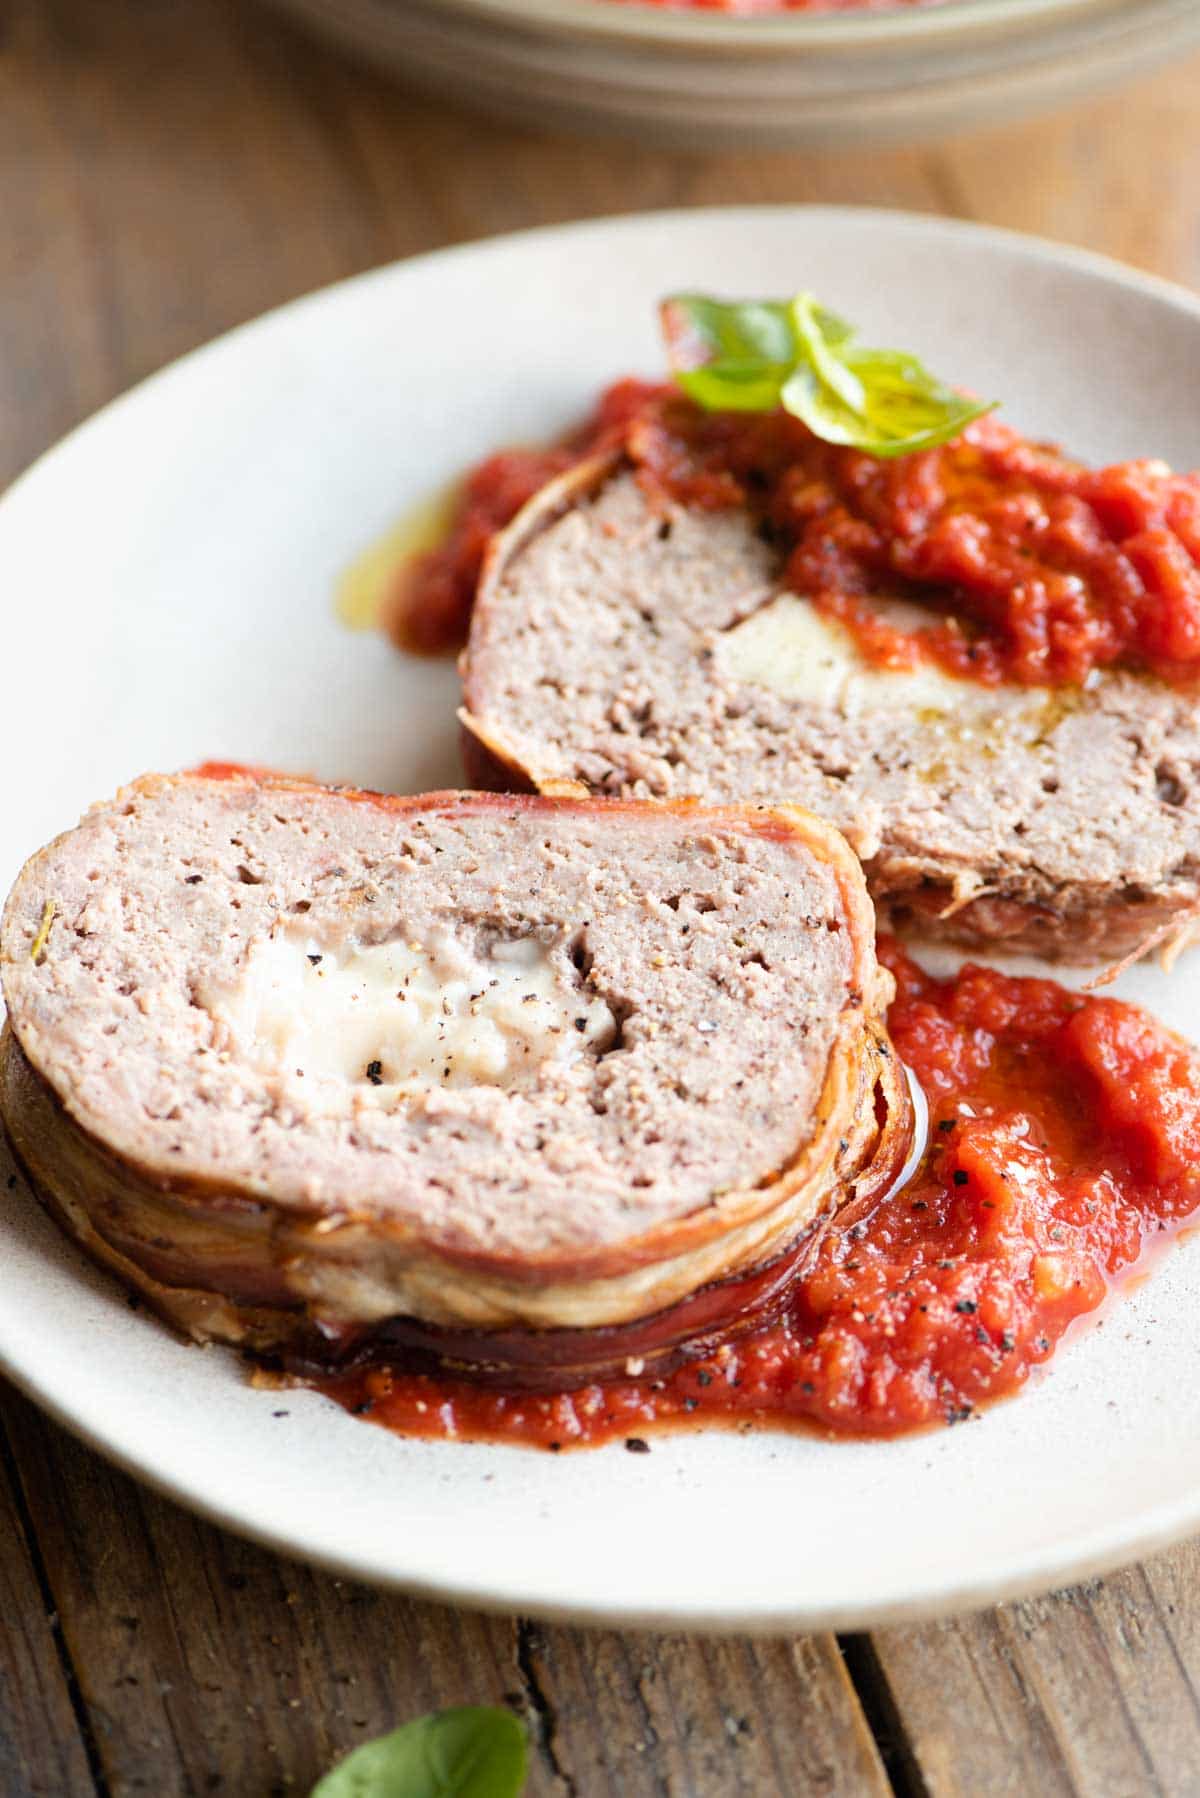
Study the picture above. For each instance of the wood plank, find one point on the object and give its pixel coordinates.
(730, 1718)
(172, 170)
(1119, 174)
(1091, 1690)
(42, 1752)
(162, 183)
(208, 1665)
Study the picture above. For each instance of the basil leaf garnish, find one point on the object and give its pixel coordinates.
(473, 1752)
(755, 355)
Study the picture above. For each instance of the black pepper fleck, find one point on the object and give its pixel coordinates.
(375, 1073)
(637, 1445)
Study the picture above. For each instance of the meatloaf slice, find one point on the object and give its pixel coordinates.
(513, 1080)
(626, 645)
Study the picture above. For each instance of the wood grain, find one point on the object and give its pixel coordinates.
(1091, 1691)
(208, 1665)
(169, 168)
(1120, 175)
(41, 1747)
(723, 1719)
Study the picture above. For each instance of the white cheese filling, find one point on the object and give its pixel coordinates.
(390, 1017)
(791, 648)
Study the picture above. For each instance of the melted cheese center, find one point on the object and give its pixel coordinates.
(791, 648)
(395, 1016)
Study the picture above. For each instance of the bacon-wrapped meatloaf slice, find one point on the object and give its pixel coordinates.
(525, 1084)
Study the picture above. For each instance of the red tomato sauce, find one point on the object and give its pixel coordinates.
(1038, 569)
(428, 608)
(1064, 1137)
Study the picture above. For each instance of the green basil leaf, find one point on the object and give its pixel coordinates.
(755, 355)
(829, 357)
(827, 416)
(473, 1752)
(699, 330)
(734, 386)
(729, 358)
(890, 371)
(735, 356)
(907, 404)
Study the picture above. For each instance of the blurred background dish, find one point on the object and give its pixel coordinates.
(682, 75)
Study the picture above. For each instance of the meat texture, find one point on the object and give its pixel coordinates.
(310, 1066)
(624, 645)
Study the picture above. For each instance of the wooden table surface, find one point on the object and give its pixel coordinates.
(169, 168)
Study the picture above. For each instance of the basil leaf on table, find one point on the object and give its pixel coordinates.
(476, 1751)
(755, 355)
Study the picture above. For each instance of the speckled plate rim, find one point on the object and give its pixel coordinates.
(1100, 1553)
(1094, 1549)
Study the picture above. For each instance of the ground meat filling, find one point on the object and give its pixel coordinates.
(531, 1034)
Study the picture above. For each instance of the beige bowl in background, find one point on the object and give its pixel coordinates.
(706, 80)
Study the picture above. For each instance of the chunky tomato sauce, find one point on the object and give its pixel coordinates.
(1038, 569)
(1064, 1136)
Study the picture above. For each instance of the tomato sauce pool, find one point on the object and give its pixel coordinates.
(1064, 1135)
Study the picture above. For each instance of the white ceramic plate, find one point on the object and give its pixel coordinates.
(705, 79)
(167, 574)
